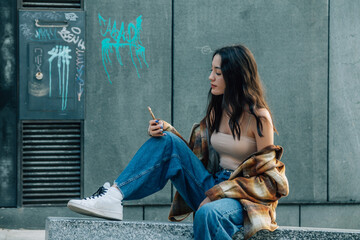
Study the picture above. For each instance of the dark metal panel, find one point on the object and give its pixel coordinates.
(52, 60)
(51, 162)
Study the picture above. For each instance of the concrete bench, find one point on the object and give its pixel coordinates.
(58, 228)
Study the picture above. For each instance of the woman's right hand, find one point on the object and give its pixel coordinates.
(156, 128)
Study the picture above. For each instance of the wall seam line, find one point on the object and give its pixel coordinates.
(172, 80)
(172, 62)
(328, 112)
(299, 215)
(143, 217)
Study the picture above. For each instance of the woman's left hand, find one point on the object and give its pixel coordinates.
(206, 200)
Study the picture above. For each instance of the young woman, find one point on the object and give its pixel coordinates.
(239, 126)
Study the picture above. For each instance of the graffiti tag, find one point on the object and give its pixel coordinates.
(44, 34)
(72, 36)
(80, 65)
(71, 16)
(117, 38)
(62, 53)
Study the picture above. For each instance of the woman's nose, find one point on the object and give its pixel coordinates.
(211, 76)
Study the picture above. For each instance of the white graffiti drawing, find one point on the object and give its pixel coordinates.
(32, 15)
(205, 50)
(38, 52)
(52, 15)
(72, 37)
(63, 64)
(80, 65)
(25, 30)
(71, 16)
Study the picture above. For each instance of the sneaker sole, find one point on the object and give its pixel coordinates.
(94, 212)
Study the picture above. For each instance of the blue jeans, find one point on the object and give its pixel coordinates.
(168, 157)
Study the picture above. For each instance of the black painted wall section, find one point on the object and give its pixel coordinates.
(8, 104)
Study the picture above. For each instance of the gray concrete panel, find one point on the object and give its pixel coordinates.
(331, 216)
(161, 213)
(133, 213)
(117, 118)
(156, 213)
(289, 40)
(344, 101)
(287, 215)
(32, 217)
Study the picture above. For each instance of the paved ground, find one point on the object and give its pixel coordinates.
(10, 234)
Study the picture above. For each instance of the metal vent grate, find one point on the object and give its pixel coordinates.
(51, 162)
(51, 4)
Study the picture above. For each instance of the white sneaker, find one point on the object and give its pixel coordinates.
(105, 203)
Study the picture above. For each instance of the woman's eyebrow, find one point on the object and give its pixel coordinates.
(216, 67)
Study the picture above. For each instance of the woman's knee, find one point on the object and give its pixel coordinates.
(206, 212)
(174, 140)
(169, 136)
(172, 136)
(165, 140)
(223, 208)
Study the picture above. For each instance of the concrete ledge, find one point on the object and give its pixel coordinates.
(303, 233)
(92, 228)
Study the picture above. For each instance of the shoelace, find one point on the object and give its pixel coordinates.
(101, 191)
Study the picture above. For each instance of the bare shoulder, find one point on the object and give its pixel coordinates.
(264, 113)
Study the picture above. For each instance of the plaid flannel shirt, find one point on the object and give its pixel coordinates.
(257, 183)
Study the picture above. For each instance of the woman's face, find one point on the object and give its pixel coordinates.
(216, 77)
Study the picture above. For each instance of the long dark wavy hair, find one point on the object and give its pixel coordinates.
(242, 86)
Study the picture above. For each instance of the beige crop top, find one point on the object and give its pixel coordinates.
(233, 151)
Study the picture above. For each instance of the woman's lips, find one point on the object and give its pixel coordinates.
(213, 86)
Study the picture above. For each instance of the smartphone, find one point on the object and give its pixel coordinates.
(151, 113)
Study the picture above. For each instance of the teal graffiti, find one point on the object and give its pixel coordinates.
(63, 63)
(120, 38)
(45, 34)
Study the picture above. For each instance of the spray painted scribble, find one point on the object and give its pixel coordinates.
(44, 34)
(31, 15)
(35, 87)
(71, 16)
(205, 50)
(38, 52)
(25, 30)
(73, 36)
(53, 15)
(63, 63)
(119, 38)
(80, 65)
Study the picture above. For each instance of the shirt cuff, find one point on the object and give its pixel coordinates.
(215, 193)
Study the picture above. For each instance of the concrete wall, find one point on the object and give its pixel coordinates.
(289, 42)
(308, 55)
(117, 118)
(299, 69)
(344, 102)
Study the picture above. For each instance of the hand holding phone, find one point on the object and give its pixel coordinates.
(155, 126)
